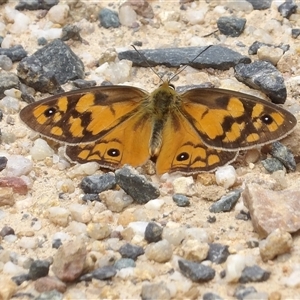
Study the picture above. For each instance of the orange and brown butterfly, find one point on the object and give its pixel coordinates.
(195, 131)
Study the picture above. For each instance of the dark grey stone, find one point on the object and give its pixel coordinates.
(19, 279)
(15, 53)
(109, 18)
(153, 232)
(211, 296)
(263, 76)
(272, 164)
(231, 26)
(35, 4)
(131, 251)
(242, 291)
(284, 155)
(96, 184)
(295, 32)
(138, 187)
(260, 4)
(254, 274)
(217, 253)
(226, 203)
(8, 81)
(71, 32)
(216, 57)
(82, 84)
(91, 197)
(56, 243)
(195, 271)
(124, 263)
(50, 66)
(181, 200)
(287, 8)
(256, 45)
(42, 41)
(3, 160)
(243, 215)
(6, 230)
(38, 269)
(104, 273)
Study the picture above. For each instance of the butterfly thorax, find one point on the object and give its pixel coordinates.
(161, 103)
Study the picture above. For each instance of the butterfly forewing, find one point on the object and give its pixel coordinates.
(83, 116)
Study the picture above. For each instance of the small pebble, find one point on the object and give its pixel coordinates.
(42, 41)
(124, 263)
(226, 176)
(80, 213)
(47, 284)
(19, 279)
(272, 164)
(194, 250)
(69, 260)
(155, 291)
(217, 253)
(254, 274)
(231, 26)
(282, 153)
(40, 150)
(6, 230)
(102, 273)
(109, 18)
(39, 268)
(278, 242)
(98, 231)
(181, 200)
(226, 203)
(96, 184)
(59, 215)
(184, 186)
(287, 8)
(211, 296)
(242, 291)
(127, 15)
(175, 236)
(28, 242)
(153, 232)
(197, 272)
(5, 63)
(18, 165)
(160, 252)
(135, 185)
(59, 14)
(131, 251)
(155, 204)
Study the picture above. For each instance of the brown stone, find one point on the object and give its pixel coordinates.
(47, 283)
(6, 196)
(17, 184)
(270, 210)
(69, 260)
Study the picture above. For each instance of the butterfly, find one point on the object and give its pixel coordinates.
(191, 132)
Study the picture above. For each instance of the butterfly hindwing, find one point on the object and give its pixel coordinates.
(183, 150)
(128, 143)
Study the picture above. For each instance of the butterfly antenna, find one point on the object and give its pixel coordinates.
(145, 60)
(184, 67)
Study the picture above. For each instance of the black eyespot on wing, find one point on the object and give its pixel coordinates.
(113, 152)
(267, 119)
(182, 156)
(50, 112)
